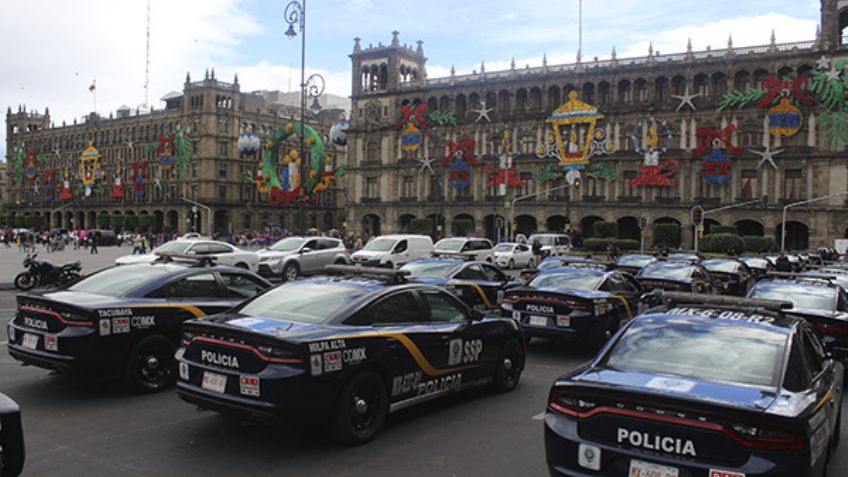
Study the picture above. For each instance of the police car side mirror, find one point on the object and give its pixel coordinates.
(305, 250)
(477, 315)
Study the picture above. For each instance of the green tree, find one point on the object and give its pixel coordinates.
(117, 221)
(131, 222)
(103, 220)
(667, 235)
(462, 227)
(605, 229)
(146, 222)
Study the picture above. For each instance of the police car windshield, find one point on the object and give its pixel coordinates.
(173, 247)
(721, 266)
(287, 244)
(710, 349)
(666, 271)
(305, 302)
(544, 240)
(429, 269)
(504, 247)
(117, 281)
(380, 245)
(449, 245)
(573, 279)
(810, 296)
(637, 260)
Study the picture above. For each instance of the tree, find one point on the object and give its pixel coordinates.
(146, 222)
(421, 226)
(117, 221)
(462, 227)
(103, 220)
(605, 229)
(667, 235)
(131, 222)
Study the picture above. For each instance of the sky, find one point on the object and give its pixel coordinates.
(53, 51)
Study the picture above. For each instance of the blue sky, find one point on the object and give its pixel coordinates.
(63, 52)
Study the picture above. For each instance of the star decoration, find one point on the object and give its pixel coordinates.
(686, 99)
(483, 112)
(823, 63)
(833, 74)
(426, 163)
(35, 188)
(767, 156)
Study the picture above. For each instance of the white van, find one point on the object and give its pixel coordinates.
(480, 248)
(393, 250)
(553, 245)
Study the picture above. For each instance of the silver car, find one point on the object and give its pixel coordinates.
(295, 256)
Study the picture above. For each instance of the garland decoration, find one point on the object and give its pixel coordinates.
(603, 172)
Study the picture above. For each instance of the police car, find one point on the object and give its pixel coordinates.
(815, 298)
(727, 387)
(125, 320)
(586, 303)
(342, 352)
(632, 263)
(676, 276)
(479, 284)
(731, 276)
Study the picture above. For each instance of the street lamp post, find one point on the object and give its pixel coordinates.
(295, 13)
(796, 204)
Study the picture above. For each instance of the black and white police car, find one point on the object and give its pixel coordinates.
(342, 352)
(702, 386)
(125, 320)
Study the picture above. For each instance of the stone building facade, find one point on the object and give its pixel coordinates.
(389, 187)
(215, 112)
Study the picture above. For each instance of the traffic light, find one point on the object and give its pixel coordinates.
(697, 215)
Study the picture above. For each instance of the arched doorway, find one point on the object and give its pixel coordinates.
(797, 235)
(370, 226)
(750, 227)
(57, 220)
(221, 222)
(628, 228)
(406, 222)
(463, 224)
(556, 223)
(587, 225)
(709, 224)
(69, 220)
(159, 220)
(80, 220)
(91, 220)
(525, 224)
(328, 221)
(496, 227)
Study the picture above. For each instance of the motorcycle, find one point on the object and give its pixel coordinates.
(44, 273)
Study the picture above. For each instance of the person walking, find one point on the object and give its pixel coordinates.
(95, 241)
(536, 246)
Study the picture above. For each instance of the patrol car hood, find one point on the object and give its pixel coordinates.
(738, 396)
(269, 326)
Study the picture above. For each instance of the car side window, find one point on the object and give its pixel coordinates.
(395, 309)
(442, 308)
(217, 248)
(472, 272)
(325, 244)
(311, 244)
(493, 273)
(813, 352)
(401, 246)
(199, 249)
(240, 285)
(522, 248)
(841, 302)
(798, 375)
(202, 285)
(616, 284)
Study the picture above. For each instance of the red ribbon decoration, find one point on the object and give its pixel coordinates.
(466, 147)
(775, 85)
(165, 142)
(708, 134)
(418, 113)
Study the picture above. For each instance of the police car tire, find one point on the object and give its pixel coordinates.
(507, 375)
(145, 348)
(368, 385)
(287, 271)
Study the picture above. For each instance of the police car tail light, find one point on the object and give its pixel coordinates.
(829, 329)
(570, 405)
(186, 338)
(580, 305)
(752, 436)
(279, 355)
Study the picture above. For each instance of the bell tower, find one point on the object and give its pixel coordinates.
(386, 69)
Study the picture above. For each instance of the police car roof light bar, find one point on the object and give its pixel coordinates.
(721, 300)
(386, 274)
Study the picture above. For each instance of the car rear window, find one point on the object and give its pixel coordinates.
(636, 260)
(117, 281)
(702, 349)
(809, 296)
(721, 266)
(571, 279)
(450, 245)
(303, 302)
(666, 271)
(430, 269)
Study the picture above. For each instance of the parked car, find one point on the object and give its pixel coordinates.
(393, 250)
(633, 262)
(759, 266)
(676, 276)
(512, 254)
(731, 276)
(480, 248)
(295, 256)
(222, 252)
(552, 244)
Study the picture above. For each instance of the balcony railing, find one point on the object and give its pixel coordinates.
(371, 200)
(630, 199)
(594, 198)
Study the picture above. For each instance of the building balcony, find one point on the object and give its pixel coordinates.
(406, 200)
(667, 200)
(630, 199)
(707, 201)
(594, 198)
(371, 200)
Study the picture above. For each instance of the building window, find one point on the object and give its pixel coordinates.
(195, 168)
(750, 183)
(372, 190)
(709, 191)
(247, 224)
(435, 187)
(408, 187)
(223, 148)
(222, 191)
(462, 193)
(792, 184)
(528, 186)
(223, 125)
(222, 169)
(528, 145)
(629, 189)
(372, 152)
(246, 193)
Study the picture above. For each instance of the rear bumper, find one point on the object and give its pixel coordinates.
(46, 360)
(562, 444)
(225, 404)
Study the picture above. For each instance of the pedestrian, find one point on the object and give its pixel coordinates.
(782, 264)
(95, 241)
(536, 246)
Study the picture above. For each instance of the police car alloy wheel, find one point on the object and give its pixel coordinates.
(149, 367)
(510, 364)
(290, 272)
(361, 409)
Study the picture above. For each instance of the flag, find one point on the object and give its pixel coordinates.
(92, 87)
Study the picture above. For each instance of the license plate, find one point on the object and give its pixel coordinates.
(539, 321)
(563, 321)
(648, 469)
(30, 341)
(214, 382)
